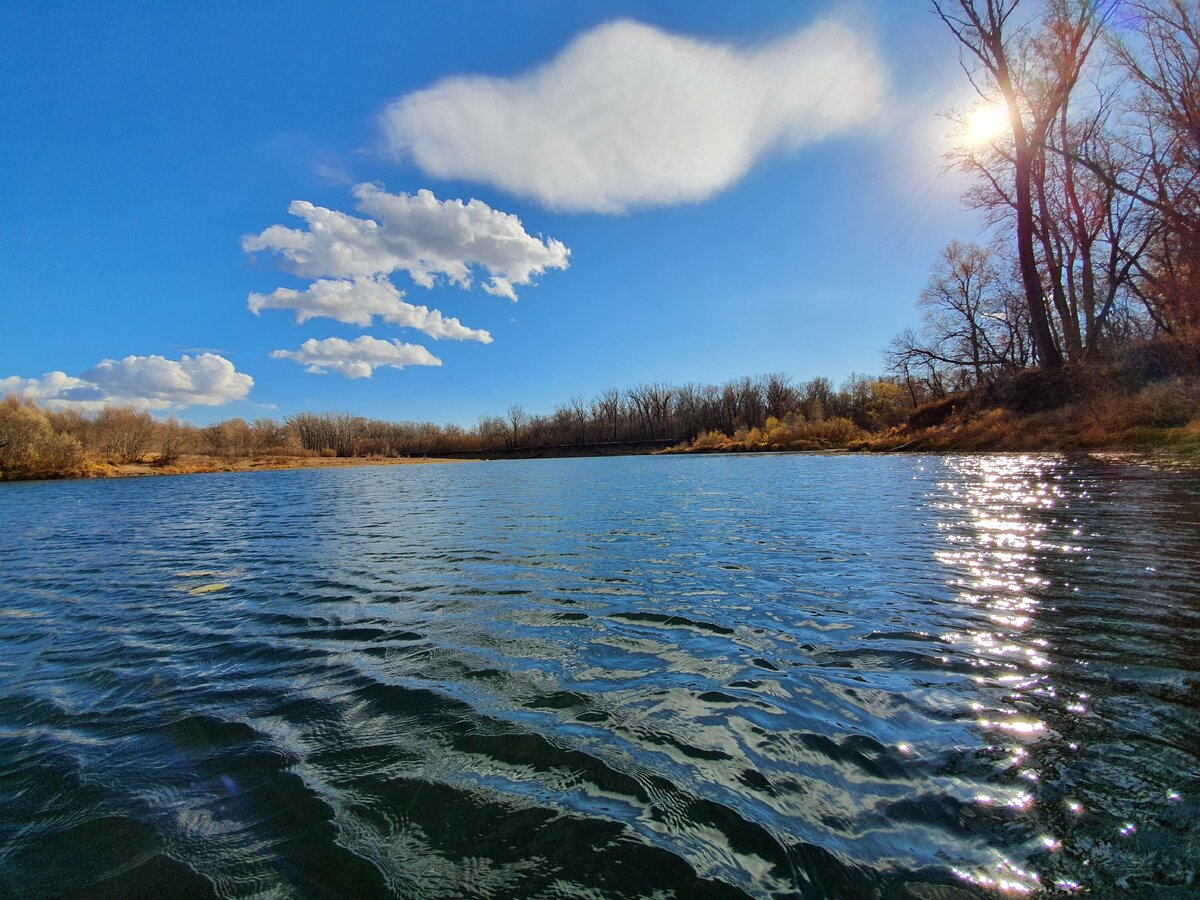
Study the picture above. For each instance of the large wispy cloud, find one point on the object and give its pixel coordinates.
(357, 358)
(630, 116)
(358, 301)
(415, 233)
(147, 382)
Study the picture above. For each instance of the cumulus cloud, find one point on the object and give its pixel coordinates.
(630, 116)
(357, 358)
(358, 301)
(418, 234)
(147, 382)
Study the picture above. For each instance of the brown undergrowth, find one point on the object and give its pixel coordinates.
(148, 466)
(1143, 402)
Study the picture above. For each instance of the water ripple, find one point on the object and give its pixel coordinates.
(768, 676)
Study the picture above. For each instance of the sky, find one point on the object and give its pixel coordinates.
(434, 211)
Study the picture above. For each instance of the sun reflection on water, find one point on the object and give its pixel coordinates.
(1001, 509)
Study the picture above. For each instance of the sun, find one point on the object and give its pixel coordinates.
(984, 124)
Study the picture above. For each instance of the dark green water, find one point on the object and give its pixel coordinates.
(767, 676)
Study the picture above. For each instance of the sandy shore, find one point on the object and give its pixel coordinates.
(193, 465)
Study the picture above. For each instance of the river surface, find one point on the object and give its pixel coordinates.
(768, 676)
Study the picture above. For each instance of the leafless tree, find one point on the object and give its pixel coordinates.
(173, 438)
(1032, 65)
(123, 434)
(1162, 58)
(973, 325)
(516, 421)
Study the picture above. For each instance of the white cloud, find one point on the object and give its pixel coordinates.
(357, 358)
(358, 301)
(147, 382)
(417, 233)
(54, 389)
(631, 116)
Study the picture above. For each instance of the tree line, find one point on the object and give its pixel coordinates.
(36, 441)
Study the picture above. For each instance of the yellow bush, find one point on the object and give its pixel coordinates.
(794, 432)
(31, 448)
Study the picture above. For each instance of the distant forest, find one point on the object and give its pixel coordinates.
(639, 418)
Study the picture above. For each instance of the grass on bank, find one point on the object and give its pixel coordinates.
(1162, 417)
(792, 432)
(1145, 399)
(1146, 402)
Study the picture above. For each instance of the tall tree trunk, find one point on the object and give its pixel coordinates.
(1043, 341)
(1055, 265)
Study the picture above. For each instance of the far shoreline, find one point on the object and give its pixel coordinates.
(207, 465)
(201, 465)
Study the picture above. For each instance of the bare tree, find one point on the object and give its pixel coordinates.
(122, 433)
(1033, 72)
(973, 325)
(173, 437)
(231, 438)
(779, 395)
(609, 410)
(516, 421)
(1163, 61)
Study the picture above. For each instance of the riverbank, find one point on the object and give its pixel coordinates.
(995, 430)
(1143, 403)
(1144, 399)
(999, 430)
(199, 465)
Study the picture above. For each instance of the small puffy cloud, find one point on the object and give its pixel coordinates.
(147, 382)
(357, 358)
(630, 116)
(54, 389)
(358, 301)
(204, 380)
(418, 234)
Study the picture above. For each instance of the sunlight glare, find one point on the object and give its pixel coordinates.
(984, 124)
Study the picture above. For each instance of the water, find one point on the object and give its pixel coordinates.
(774, 676)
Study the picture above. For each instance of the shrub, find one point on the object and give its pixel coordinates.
(1035, 390)
(173, 438)
(31, 448)
(1157, 360)
(1165, 404)
(372, 447)
(934, 413)
(122, 433)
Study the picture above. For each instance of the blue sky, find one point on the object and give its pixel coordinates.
(140, 143)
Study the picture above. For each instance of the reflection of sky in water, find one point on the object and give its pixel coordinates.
(828, 676)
